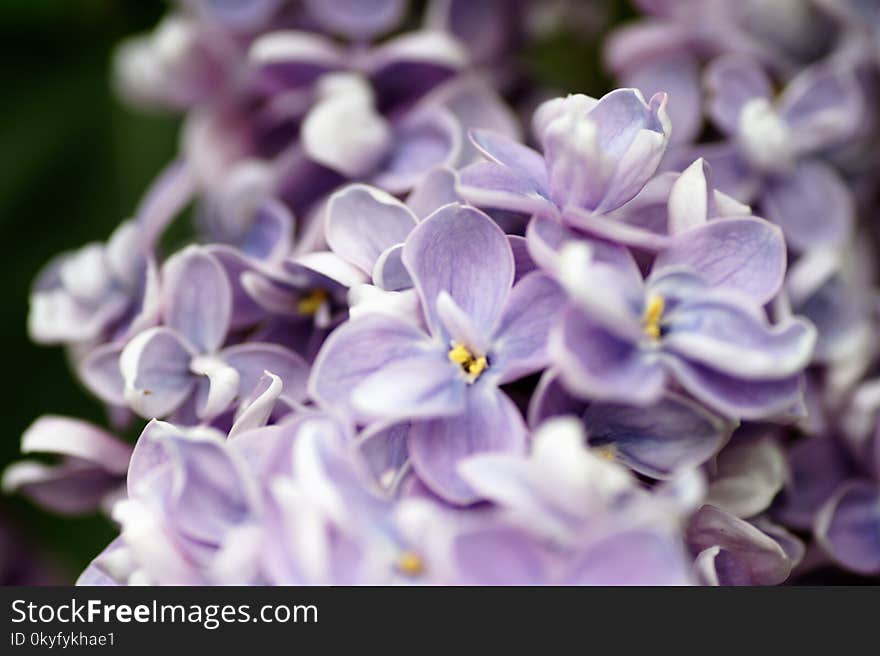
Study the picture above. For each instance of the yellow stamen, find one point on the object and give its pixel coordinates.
(410, 563)
(311, 302)
(606, 452)
(653, 314)
(473, 366)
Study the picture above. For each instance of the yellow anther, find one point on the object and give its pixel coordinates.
(410, 563)
(653, 314)
(606, 452)
(473, 366)
(460, 355)
(311, 302)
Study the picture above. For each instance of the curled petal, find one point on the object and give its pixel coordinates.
(155, 368)
(744, 254)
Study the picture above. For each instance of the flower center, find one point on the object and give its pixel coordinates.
(410, 563)
(311, 302)
(652, 316)
(472, 365)
(606, 452)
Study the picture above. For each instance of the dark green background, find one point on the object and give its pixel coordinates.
(73, 164)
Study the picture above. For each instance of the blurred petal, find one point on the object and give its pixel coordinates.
(197, 298)
(812, 205)
(746, 556)
(848, 526)
(736, 341)
(749, 474)
(735, 397)
(490, 423)
(659, 440)
(732, 81)
(357, 19)
(155, 367)
(595, 364)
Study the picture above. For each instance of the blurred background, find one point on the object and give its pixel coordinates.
(73, 163)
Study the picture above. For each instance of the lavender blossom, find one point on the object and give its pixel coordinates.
(481, 333)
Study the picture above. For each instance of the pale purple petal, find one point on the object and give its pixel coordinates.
(256, 408)
(65, 436)
(523, 262)
(99, 372)
(460, 250)
(678, 76)
(251, 360)
(357, 19)
(746, 556)
(824, 106)
(812, 205)
(419, 387)
(738, 342)
(389, 272)
(362, 222)
(424, 140)
(636, 557)
(732, 81)
(498, 556)
(744, 254)
(848, 526)
(659, 440)
(356, 350)
(197, 298)
(521, 336)
(436, 189)
(155, 367)
(595, 364)
(487, 184)
(490, 423)
(508, 152)
(459, 326)
(735, 397)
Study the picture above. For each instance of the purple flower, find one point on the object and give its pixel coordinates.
(731, 551)
(664, 50)
(100, 292)
(661, 440)
(480, 333)
(242, 213)
(162, 369)
(582, 520)
(89, 476)
(771, 155)
(597, 156)
(625, 339)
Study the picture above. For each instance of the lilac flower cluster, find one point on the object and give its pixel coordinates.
(415, 342)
